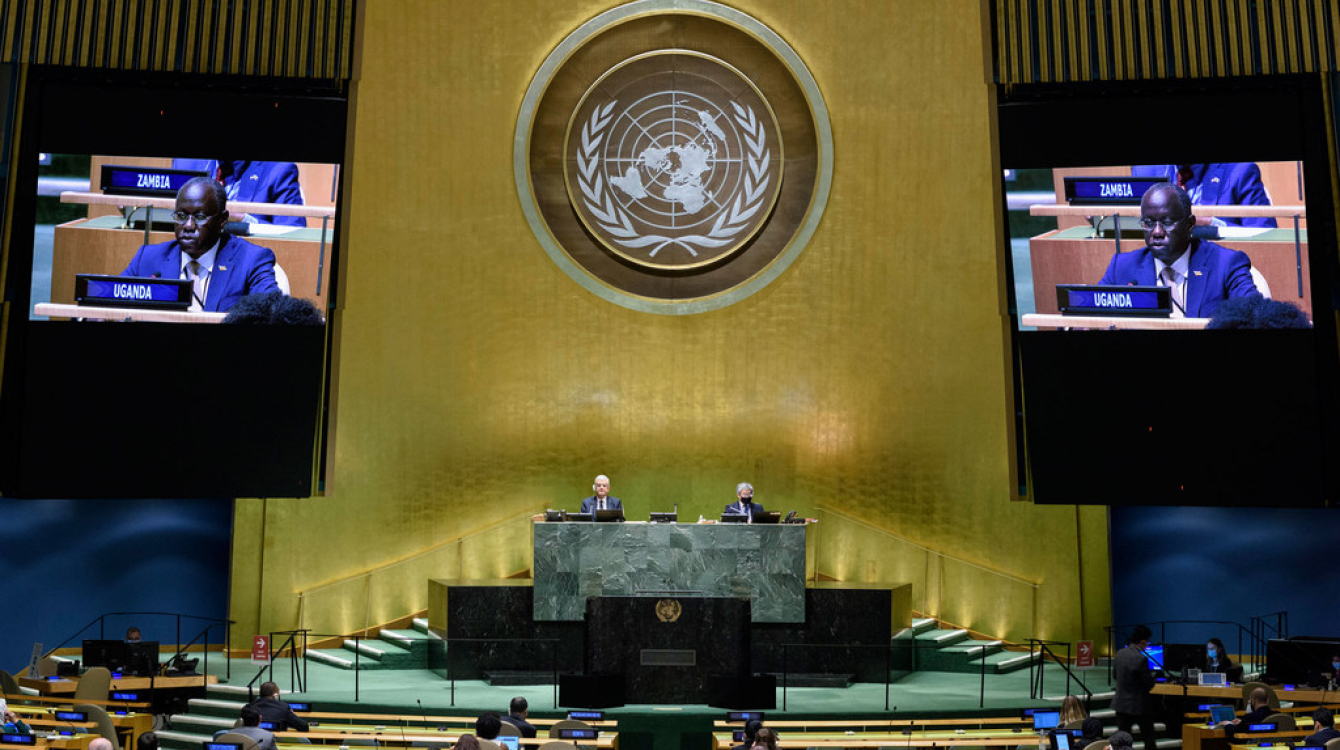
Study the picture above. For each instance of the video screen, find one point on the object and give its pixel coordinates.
(1223, 231)
(175, 243)
(118, 217)
(1170, 292)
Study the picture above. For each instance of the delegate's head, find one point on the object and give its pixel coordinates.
(100, 743)
(765, 739)
(744, 491)
(602, 488)
(1140, 636)
(1323, 717)
(1165, 217)
(488, 725)
(1214, 648)
(202, 210)
(250, 716)
(1122, 740)
(269, 690)
(132, 634)
(274, 308)
(519, 706)
(467, 742)
(147, 741)
(1093, 728)
(1259, 697)
(751, 728)
(1335, 661)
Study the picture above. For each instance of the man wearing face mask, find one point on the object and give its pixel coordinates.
(1331, 677)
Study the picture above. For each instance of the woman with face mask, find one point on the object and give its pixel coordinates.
(1216, 659)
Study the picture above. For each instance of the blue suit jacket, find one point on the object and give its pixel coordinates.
(257, 182)
(1228, 184)
(240, 268)
(734, 509)
(611, 502)
(1216, 274)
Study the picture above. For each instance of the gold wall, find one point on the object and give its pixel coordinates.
(475, 382)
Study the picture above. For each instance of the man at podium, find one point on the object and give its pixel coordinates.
(1200, 273)
(220, 267)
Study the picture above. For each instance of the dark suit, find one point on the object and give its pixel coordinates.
(1224, 665)
(1228, 184)
(611, 503)
(256, 182)
(240, 268)
(273, 709)
(1255, 716)
(265, 740)
(1321, 738)
(525, 726)
(734, 509)
(1214, 274)
(1131, 699)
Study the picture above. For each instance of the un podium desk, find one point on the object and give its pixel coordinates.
(764, 563)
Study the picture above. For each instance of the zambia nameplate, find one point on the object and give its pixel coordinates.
(1084, 299)
(151, 181)
(1114, 191)
(130, 291)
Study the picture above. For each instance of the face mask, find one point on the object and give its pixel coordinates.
(1212, 652)
(1335, 665)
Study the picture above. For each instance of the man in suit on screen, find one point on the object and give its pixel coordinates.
(254, 182)
(1200, 273)
(1226, 184)
(221, 268)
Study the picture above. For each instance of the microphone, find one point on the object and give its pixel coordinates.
(422, 714)
(676, 511)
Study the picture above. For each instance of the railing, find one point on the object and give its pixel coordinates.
(1262, 631)
(211, 622)
(386, 592)
(839, 542)
(1038, 669)
(1249, 644)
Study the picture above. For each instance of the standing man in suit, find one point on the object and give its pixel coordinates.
(1228, 184)
(744, 504)
(601, 500)
(254, 182)
(1134, 681)
(272, 709)
(1200, 273)
(222, 268)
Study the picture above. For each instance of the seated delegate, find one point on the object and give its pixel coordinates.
(1226, 184)
(254, 182)
(744, 504)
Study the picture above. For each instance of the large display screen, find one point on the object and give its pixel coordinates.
(1171, 292)
(226, 194)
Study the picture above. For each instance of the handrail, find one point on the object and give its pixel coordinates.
(932, 550)
(1038, 670)
(101, 621)
(1253, 640)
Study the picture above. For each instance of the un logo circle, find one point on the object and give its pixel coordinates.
(674, 160)
(673, 156)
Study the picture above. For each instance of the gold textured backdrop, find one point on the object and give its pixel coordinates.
(476, 383)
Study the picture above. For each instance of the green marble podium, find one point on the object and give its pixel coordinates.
(764, 563)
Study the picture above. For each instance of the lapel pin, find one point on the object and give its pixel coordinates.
(225, 268)
(1196, 273)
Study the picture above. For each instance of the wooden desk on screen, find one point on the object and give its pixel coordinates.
(101, 246)
(1112, 322)
(1077, 256)
(123, 314)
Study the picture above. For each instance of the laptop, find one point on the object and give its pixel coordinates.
(1046, 719)
(609, 514)
(511, 743)
(1220, 714)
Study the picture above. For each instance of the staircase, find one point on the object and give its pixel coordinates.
(219, 709)
(392, 649)
(945, 650)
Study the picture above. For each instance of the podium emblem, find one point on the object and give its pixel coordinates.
(668, 610)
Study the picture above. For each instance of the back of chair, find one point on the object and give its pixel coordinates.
(1100, 744)
(566, 724)
(508, 729)
(9, 685)
(46, 666)
(1282, 722)
(559, 745)
(94, 685)
(1333, 744)
(247, 743)
(1076, 724)
(1247, 690)
(98, 715)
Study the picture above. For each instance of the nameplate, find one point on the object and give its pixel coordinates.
(71, 716)
(1111, 191)
(116, 696)
(1085, 299)
(151, 181)
(130, 291)
(18, 739)
(577, 733)
(587, 715)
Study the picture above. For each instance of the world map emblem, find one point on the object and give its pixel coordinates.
(673, 160)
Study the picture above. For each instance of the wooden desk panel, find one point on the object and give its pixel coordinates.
(90, 246)
(128, 684)
(1067, 257)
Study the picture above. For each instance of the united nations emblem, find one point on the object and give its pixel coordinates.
(673, 156)
(674, 160)
(668, 610)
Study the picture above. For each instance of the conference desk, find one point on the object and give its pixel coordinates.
(60, 742)
(943, 738)
(1078, 256)
(1201, 737)
(67, 686)
(393, 735)
(101, 245)
(125, 315)
(1112, 322)
(761, 562)
(1234, 692)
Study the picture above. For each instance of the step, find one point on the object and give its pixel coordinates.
(172, 738)
(203, 724)
(938, 637)
(214, 707)
(922, 624)
(387, 654)
(420, 624)
(407, 639)
(822, 680)
(334, 659)
(1010, 661)
(518, 677)
(240, 691)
